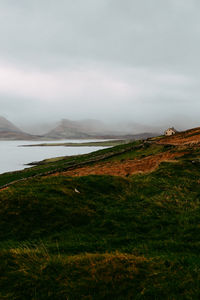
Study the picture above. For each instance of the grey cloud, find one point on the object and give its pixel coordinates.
(143, 33)
(149, 48)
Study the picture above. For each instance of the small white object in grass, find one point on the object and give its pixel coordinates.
(77, 191)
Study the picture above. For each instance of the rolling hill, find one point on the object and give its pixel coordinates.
(8, 131)
(119, 223)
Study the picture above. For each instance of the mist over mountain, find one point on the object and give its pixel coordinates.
(39, 128)
(95, 128)
(6, 125)
(9, 131)
(70, 129)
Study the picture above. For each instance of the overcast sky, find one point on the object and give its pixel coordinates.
(102, 59)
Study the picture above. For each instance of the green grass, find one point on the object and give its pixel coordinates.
(143, 150)
(97, 276)
(118, 238)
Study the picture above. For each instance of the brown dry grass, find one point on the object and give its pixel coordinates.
(3, 189)
(125, 168)
(191, 136)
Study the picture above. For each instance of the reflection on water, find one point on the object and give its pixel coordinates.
(14, 158)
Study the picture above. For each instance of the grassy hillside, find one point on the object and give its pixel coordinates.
(71, 229)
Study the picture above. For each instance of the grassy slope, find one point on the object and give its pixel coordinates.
(63, 163)
(119, 238)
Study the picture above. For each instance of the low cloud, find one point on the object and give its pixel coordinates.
(95, 92)
(108, 59)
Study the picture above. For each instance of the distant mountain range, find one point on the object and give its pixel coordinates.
(85, 129)
(96, 129)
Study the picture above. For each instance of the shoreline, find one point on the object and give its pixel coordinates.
(84, 144)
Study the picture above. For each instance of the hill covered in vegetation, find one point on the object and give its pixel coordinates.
(120, 223)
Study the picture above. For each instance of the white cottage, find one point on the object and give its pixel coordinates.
(170, 131)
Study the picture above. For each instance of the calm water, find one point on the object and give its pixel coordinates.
(14, 158)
